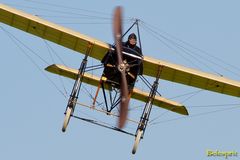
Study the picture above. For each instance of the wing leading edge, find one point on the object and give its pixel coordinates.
(53, 32)
(191, 77)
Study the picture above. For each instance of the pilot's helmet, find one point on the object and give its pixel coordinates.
(132, 36)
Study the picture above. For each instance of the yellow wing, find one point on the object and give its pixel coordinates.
(82, 44)
(137, 94)
(191, 77)
(53, 32)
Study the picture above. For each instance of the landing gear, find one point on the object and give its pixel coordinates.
(67, 118)
(137, 140)
(146, 113)
(75, 91)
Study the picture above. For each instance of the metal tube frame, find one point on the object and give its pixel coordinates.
(113, 101)
(78, 82)
(148, 106)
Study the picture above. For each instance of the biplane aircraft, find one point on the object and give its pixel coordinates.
(120, 73)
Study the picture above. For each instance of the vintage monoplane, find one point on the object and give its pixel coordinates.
(120, 73)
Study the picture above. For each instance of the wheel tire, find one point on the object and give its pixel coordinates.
(137, 140)
(66, 119)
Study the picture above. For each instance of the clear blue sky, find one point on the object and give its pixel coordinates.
(32, 108)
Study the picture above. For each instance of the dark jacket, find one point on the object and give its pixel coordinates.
(108, 57)
(134, 47)
(138, 50)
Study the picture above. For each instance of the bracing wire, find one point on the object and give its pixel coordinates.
(60, 11)
(101, 17)
(109, 15)
(214, 62)
(28, 48)
(195, 115)
(50, 51)
(66, 7)
(105, 112)
(186, 94)
(214, 105)
(172, 48)
(181, 48)
(198, 49)
(89, 15)
(17, 42)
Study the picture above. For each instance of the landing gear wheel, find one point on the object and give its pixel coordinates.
(137, 140)
(67, 118)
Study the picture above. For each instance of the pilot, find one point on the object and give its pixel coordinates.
(132, 43)
(110, 58)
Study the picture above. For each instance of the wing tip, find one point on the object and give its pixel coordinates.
(181, 110)
(50, 68)
(185, 111)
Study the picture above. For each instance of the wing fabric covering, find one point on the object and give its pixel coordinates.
(191, 77)
(137, 94)
(53, 32)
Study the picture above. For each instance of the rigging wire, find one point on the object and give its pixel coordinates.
(60, 11)
(186, 94)
(50, 51)
(66, 7)
(213, 105)
(188, 98)
(97, 121)
(95, 15)
(90, 95)
(198, 106)
(76, 14)
(16, 41)
(195, 115)
(163, 114)
(8, 33)
(198, 49)
(54, 52)
(183, 49)
(146, 24)
(199, 55)
(105, 112)
(170, 47)
(89, 23)
(74, 8)
(159, 116)
(167, 111)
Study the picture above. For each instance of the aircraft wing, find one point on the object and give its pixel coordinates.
(97, 49)
(191, 77)
(75, 41)
(53, 32)
(137, 94)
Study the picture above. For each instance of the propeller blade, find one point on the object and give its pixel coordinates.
(124, 101)
(117, 31)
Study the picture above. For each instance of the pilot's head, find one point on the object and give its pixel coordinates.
(132, 39)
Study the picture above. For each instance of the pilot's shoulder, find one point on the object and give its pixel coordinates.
(138, 50)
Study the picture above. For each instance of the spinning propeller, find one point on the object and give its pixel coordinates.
(117, 31)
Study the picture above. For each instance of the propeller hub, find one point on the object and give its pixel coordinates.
(124, 67)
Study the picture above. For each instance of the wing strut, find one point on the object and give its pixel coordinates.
(76, 88)
(146, 112)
